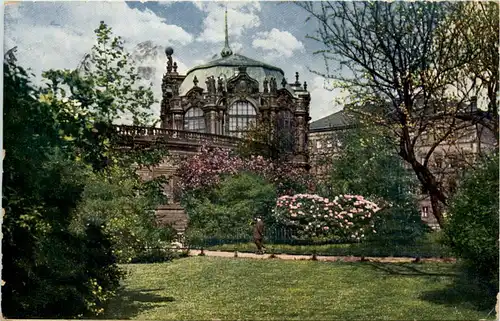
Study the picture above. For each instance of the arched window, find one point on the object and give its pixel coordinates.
(194, 120)
(285, 130)
(240, 115)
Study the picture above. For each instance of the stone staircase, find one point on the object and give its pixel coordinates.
(173, 215)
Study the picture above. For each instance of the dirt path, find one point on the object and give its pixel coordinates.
(319, 257)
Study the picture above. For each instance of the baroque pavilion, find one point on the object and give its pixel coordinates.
(228, 95)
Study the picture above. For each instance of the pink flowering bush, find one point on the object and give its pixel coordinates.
(206, 169)
(347, 217)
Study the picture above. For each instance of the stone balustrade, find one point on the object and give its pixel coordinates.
(154, 133)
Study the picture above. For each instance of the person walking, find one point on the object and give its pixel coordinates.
(258, 235)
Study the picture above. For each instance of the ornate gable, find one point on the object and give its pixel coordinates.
(194, 98)
(242, 84)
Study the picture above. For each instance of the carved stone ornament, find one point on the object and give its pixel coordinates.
(210, 85)
(284, 101)
(273, 86)
(242, 85)
(220, 85)
(194, 97)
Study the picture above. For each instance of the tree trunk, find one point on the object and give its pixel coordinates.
(436, 209)
(427, 180)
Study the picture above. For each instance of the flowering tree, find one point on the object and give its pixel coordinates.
(205, 170)
(347, 217)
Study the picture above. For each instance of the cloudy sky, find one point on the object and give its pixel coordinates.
(58, 34)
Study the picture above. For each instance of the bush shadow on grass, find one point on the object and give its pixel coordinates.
(463, 291)
(406, 269)
(128, 304)
(469, 293)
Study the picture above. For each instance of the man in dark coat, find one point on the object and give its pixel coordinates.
(258, 235)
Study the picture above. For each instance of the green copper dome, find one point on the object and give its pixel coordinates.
(227, 67)
(235, 60)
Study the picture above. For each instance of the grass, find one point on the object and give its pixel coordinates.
(208, 288)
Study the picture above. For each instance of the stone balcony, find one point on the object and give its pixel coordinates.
(174, 138)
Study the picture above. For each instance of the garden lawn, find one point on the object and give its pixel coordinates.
(207, 288)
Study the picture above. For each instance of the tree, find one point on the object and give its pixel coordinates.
(101, 90)
(205, 170)
(106, 84)
(366, 165)
(229, 208)
(483, 32)
(399, 62)
(48, 271)
(72, 200)
(275, 142)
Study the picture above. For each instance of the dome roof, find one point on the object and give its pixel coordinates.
(227, 67)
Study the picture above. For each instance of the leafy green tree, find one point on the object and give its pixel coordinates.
(123, 205)
(231, 206)
(367, 165)
(106, 84)
(472, 225)
(48, 271)
(72, 200)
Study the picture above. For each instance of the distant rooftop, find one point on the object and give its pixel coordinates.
(333, 121)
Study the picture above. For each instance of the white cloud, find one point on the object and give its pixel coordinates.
(323, 98)
(58, 34)
(236, 46)
(242, 15)
(277, 43)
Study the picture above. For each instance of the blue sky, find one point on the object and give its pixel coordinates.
(58, 34)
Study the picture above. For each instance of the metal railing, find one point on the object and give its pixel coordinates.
(282, 241)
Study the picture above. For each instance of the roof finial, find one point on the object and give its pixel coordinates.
(226, 51)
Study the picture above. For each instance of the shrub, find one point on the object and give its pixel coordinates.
(119, 202)
(472, 225)
(347, 217)
(367, 165)
(58, 263)
(399, 224)
(230, 207)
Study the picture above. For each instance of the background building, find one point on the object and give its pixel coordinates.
(447, 160)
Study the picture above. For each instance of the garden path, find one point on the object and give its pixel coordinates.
(319, 257)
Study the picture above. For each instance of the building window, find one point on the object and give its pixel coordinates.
(438, 159)
(240, 116)
(285, 130)
(194, 120)
(425, 212)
